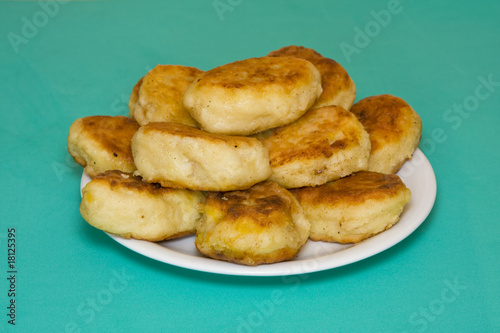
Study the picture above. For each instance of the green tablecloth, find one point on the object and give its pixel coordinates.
(61, 60)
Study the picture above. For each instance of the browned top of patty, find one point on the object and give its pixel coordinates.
(354, 189)
(386, 118)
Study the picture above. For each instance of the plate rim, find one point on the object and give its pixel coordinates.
(356, 252)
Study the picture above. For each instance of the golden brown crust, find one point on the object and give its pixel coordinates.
(262, 225)
(381, 117)
(191, 132)
(324, 144)
(338, 87)
(134, 97)
(242, 257)
(158, 95)
(263, 205)
(394, 129)
(101, 143)
(283, 150)
(113, 133)
(258, 74)
(178, 155)
(124, 180)
(123, 204)
(354, 189)
(353, 208)
(253, 95)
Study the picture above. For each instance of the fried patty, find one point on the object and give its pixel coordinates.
(262, 225)
(338, 86)
(101, 143)
(394, 128)
(177, 155)
(353, 208)
(253, 95)
(125, 205)
(158, 95)
(325, 144)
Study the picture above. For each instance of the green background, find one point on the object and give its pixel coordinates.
(82, 58)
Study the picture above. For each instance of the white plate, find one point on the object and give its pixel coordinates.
(418, 176)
